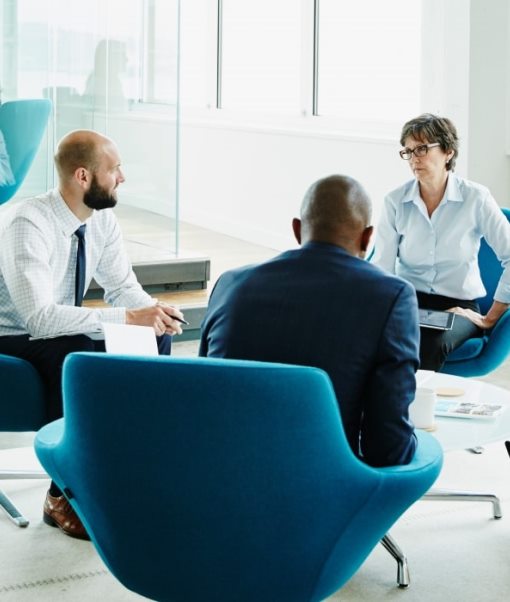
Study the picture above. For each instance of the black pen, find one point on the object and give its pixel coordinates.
(181, 320)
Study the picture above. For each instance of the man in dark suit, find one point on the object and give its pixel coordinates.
(322, 305)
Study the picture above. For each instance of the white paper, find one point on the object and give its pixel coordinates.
(127, 339)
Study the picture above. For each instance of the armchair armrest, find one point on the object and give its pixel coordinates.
(428, 453)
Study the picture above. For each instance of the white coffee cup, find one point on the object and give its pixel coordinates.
(421, 410)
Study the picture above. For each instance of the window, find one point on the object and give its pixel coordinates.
(261, 52)
(95, 61)
(161, 56)
(198, 53)
(79, 49)
(369, 59)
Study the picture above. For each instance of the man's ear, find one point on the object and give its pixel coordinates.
(82, 177)
(296, 228)
(366, 236)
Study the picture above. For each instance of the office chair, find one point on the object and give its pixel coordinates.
(481, 355)
(211, 479)
(22, 409)
(22, 124)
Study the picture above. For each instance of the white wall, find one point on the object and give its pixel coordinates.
(249, 183)
(489, 162)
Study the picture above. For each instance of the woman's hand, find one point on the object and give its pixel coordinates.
(473, 316)
(484, 322)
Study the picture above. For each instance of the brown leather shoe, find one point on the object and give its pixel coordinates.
(59, 513)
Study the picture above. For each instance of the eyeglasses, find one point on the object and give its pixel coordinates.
(418, 151)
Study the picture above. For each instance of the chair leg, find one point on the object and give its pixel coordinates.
(465, 496)
(29, 473)
(391, 546)
(476, 450)
(12, 512)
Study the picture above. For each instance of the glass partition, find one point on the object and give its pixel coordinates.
(111, 66)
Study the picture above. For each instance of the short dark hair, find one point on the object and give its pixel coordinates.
(336, 204)
(433, 129)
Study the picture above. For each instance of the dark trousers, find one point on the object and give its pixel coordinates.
(435, 345)
(47, 356)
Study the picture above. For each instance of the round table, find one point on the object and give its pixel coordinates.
(464, 433)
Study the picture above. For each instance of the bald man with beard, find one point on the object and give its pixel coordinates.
(41, 317)
(323, 305)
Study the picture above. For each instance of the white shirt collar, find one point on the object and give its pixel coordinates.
(452, 192)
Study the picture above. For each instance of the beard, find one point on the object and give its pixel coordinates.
(98, 197)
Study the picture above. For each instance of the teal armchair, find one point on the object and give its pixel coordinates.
(221, 480)
(481, 355)
(22, 408)
(22, 126)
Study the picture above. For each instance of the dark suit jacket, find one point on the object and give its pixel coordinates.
(320, 306)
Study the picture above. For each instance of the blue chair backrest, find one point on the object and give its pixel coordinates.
(22, 124)
(218, 479)
(490, 269)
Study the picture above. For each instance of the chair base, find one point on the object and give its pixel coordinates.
(391, 546)
(12, 512)
(465, 496)
(7, 474)
(403, 579)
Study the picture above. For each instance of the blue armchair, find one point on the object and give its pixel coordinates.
(22, 126)
(479, 356)
(202, 479)
(22, 408)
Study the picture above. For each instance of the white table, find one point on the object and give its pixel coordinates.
(455, 434)
(466, 433)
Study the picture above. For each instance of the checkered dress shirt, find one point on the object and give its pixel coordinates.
(38, 263)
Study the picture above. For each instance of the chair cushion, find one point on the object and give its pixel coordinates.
(23, 405)
(469, 350)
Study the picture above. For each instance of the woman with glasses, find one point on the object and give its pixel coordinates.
(429, 234)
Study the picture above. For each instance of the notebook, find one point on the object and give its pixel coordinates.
(126, 339)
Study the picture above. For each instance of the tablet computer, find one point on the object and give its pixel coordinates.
(431, 318)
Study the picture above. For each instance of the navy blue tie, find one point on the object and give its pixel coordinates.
(79, 283)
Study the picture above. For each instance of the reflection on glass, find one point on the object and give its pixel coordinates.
(105, 86)
(91, 59)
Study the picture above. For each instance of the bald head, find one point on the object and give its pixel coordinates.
(80, 149)
(335, 210)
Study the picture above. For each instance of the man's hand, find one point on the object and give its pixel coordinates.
(159, 317)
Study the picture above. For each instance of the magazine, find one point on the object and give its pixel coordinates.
(467, 409)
